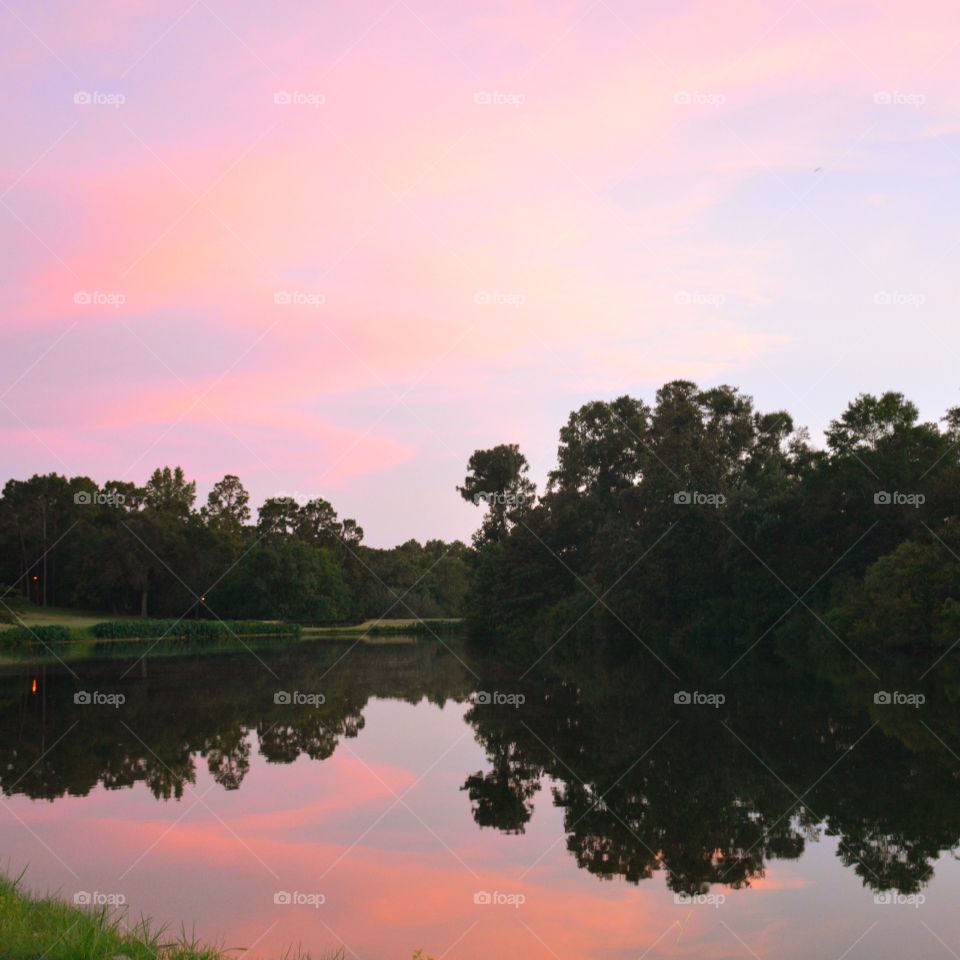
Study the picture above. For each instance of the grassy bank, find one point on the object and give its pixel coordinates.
(38, 626)
(376, 628)
(33, 927)
(32, 616)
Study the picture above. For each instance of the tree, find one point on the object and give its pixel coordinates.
(227, 506)
(278, 517)
(868, 420)
(498, 479)
(601, 447)
(167, 491)
(283, 579)
(317, 523)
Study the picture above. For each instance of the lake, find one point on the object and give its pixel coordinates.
(413, 795)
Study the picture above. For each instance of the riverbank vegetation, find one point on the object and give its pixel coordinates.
(50, 928)
(700, 524)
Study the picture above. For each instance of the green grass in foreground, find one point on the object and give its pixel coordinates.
(34, 927)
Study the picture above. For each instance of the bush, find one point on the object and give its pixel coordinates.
(430, 627)
(28, 636)
(190, 630)
(12, 602)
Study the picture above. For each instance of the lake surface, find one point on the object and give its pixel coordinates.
(411, 796)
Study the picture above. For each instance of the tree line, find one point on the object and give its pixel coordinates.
(700, 524)
(151, 551)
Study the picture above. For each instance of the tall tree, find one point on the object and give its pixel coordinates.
(227, 506)
(497, 478)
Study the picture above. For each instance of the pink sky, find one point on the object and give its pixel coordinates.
(489, 212)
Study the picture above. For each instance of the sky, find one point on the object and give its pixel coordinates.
(334, 248)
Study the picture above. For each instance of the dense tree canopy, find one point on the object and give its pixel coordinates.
(700, 523)
(149, 550)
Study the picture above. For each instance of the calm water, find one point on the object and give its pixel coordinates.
(581, 814)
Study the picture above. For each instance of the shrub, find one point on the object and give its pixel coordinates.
(429, 627)
(28, 636)
(190, 630)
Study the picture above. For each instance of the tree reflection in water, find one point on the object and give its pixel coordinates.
(706, 795)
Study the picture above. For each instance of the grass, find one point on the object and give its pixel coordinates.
(33, 927)
(78, 622)
(74, 626)
(62, 617)
(81, 623)
(375, 628)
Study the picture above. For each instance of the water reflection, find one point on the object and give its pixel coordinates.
(704, 794)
